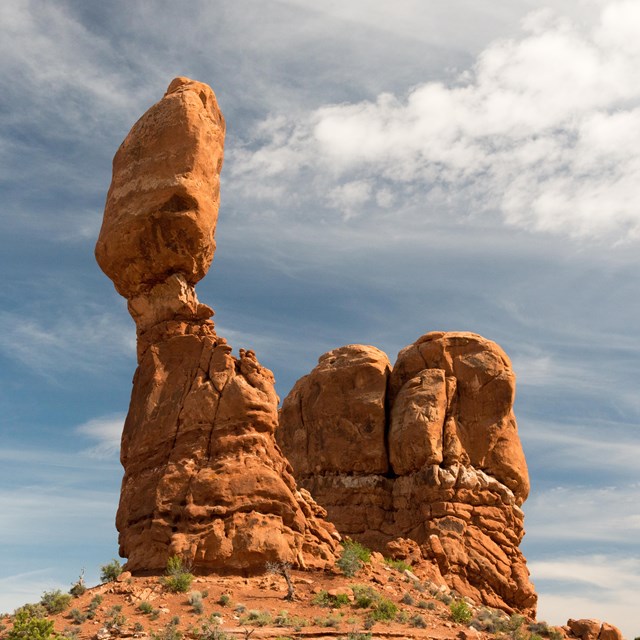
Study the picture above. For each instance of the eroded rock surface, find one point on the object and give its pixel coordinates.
(446, 470)
(204, 478)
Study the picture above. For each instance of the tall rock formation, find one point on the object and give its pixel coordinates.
(426, 451)
(204, 478)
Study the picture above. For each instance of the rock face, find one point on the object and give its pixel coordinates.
(204, 478)
(427, 451)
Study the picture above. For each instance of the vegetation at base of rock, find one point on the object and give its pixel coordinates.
(353, 556)
(283, 569)
(325, 599)
(55, 601)
(178, 579)
(224, 599)
(109, 572)
(398, 565)
(460, 612)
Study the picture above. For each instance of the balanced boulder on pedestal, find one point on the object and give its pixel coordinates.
(204, 478)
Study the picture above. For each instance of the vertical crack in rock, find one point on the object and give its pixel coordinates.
(203, 475)
(457, 473)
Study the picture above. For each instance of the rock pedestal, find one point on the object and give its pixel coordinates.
(426, 450)
(204, 478)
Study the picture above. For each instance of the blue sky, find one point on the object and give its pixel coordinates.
(389, 171)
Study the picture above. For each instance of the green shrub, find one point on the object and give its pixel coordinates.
(96, 601)
(55, 601)
(26, 626)
(256, 618)
(78, 588)
(364, 596)
(429, 606)
(460, 612)
(31, 610)
(224, 599)
(195, 600)
(384, 609)
(398, 565)
(138, 627)
(352, 558)
(407, 598)
(145, 607)
(418, 621)
(109, 572)
(325, 599)
(332, 620)
(177, 579)
(170, 632)
(115, 618)
(77, 616)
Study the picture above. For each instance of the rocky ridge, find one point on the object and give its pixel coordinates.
(426, 451)
(204, 478)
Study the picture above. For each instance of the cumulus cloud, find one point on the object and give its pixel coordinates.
(543, 130)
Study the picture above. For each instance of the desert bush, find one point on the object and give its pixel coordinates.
(96, 601)
(429, 606)
(138, 627)
(31, 610)
(402, 617)
(224, 599)
(27, 626)
(145, 607)
(115, 618)
(78, 588)
(195, 600)
(407, 598)
(283, 569)
(55, 601)
(77, 616)
(364, 596)
(256, 618)
(170, 632)
(332, 620)
(109, 572)
(398, 565)
(352, 557)
(325, 599)
(178, 579)
(418, 621)
(460, 612)
(384, 609)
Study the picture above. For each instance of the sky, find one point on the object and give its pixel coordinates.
(390, 169)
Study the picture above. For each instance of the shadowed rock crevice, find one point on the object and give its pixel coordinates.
(204, 478)
(444, 469)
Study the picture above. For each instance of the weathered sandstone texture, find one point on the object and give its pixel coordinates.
(590, 629)
(427, 451)
(204, 478)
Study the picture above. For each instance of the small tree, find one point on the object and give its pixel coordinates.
(109, 572)
(283, 569)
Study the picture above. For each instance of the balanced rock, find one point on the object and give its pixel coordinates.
(426, 451)
(204, 478)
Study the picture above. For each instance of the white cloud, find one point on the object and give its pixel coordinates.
(590, 586)
(83, 341)
(584, 514)
(106, 431)
(544, 130)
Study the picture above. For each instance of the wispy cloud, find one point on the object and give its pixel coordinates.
(84, 341)
(106, 431)
(589, 586)
(541, 130)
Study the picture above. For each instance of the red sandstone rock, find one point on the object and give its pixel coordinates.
(590, 629)
(204, 478)
(456, 473)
